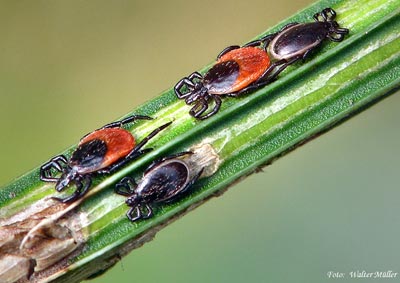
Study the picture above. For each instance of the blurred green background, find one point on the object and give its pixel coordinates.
(68, 67)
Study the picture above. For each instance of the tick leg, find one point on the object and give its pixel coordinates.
(253, 43)
(269, 75)
(263, 40)
(216, 108)
(136, 152)
(150, 136)
(307, 53)
(184, 82)
(134, 210)
(126, 120)
(82, 187)
(265, 79)
(68, 199)
(149, 211)
(226, 50)
(340, 30)
(338, 34)
(56, 163)
(318, 17)
(274, 70)
(173, 156)
(336, 38)
(328, 14)
(199, 108)
(126, 187)
(195, 75)
(127, 159)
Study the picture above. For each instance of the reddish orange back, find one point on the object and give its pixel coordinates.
(119, 143)
(252, 63)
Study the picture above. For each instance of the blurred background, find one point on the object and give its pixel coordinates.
(68, 67)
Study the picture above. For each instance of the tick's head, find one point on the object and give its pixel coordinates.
(335, 32)
(69, 175)
(199, 93)
(133, 200)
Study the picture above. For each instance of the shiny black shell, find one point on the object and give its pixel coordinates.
(221, 77)
(88, 156)
(297, 40)
(163, 181)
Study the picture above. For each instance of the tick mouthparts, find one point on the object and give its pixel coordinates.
(132, 201)
(60, 186)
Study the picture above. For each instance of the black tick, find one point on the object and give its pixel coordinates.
(162, 182)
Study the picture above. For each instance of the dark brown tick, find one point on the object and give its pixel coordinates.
(162, 182)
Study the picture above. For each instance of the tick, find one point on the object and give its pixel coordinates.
(162, 182)
(240, 70)
(100, 152)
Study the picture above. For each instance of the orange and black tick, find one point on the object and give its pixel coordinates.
(100, 152)
(162, 182)
(236, 69)
(240, 70)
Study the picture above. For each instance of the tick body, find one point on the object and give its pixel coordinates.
(236, 70)
(100, 152)
(240, 70)
(298, 39)
(101, 149)
(162, 182)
